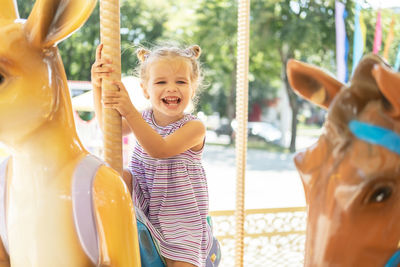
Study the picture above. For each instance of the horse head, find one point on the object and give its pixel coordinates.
(351, 176)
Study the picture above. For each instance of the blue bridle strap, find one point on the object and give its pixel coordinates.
(384, 137)
(376, 135)
(394, 261)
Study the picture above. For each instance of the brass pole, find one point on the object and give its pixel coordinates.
(241, 117)
(112, 122)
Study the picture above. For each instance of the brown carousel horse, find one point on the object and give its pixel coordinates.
(40, 223)
(351, 176)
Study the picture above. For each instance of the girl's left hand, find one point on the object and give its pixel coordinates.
(118, 100)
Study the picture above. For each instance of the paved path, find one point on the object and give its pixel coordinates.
(271, 179)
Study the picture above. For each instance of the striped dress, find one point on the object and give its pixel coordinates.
(173, 194)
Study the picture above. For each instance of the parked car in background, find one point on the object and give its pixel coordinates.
(224, 129)
(261, 131)
(264, 131)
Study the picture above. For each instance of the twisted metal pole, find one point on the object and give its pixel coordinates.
(242, 89)
(112, 122)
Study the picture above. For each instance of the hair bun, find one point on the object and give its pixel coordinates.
(142, 54)
(195, 51)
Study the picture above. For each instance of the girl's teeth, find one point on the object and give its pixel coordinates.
(171, 100)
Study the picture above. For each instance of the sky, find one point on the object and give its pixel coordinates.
(384, 3)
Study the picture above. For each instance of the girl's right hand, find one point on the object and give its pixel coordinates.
(101, 68)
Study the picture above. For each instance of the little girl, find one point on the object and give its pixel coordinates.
(166, 174)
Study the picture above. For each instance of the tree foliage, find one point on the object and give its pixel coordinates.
(216, 33)
(141, 23)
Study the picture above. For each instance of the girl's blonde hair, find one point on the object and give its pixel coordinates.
(191, 53)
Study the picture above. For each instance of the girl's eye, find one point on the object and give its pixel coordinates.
(381, 194)
(160, 82)
(181, 82)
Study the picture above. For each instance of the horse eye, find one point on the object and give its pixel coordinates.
(380, 195)
(1, 78)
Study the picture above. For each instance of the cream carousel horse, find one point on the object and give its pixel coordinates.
(38, 217)
(351, 176)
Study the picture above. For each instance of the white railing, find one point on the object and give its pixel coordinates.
(273, 237)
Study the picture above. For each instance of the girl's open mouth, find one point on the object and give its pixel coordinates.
(171, 100)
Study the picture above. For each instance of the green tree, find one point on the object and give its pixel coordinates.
(295, 29)
(280, 30)
(24, 8)
(215, 32)
(141, 22)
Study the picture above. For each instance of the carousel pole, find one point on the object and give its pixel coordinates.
(112, 122)
(111, 40)
(241, 117)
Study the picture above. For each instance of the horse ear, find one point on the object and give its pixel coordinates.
(51, 21)
(312, 83)
(9, 10)
(389, 84)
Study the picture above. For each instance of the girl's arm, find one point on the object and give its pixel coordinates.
(191, 135)
(187, 137)
(127, 177)
(102, 68)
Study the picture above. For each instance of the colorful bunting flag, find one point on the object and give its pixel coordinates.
(359, 36)
(363, 28)
(389, 40)
(397, 64)
(378, 33)
(341, 41)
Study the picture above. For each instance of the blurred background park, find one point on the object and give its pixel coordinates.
(327, 33)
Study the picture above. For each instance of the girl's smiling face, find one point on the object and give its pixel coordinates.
(169, 88)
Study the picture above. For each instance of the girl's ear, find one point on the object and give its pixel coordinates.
(144, 89)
